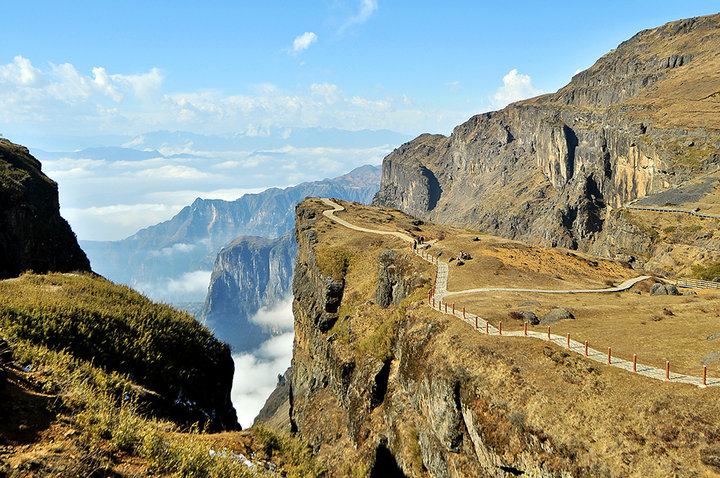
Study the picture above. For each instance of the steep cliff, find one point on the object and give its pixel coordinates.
(33, 235)
(250, 273)
(406, 391)
(550, 169)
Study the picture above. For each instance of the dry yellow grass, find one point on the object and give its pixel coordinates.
(656, 328)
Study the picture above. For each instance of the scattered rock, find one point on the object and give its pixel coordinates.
(460, 262)
(713, 336)
(667, 311)
(711, 357)
(556, 315)
(525, 316)
(689, 292)
(664, 289)
(476, 238)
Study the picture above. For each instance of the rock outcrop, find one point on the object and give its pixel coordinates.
(33, 235)
(551, 169)
(250, 273)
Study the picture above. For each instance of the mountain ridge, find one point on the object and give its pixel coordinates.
(551, 169)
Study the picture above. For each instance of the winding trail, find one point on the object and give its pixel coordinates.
(440, 292)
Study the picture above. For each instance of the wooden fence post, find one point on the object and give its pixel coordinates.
(634, 363)
(548, 332)
(463, 313)
(704, 375)
(500, 328)
(487, 328)
(568, 340)
(586, 348)
(453, 309)
(667, 370)
(609, 360)
(476, 323)
(525, 329)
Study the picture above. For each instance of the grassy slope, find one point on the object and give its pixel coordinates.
(600, 421)
(65, 412)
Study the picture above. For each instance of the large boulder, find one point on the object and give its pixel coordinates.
(394, 279)
(556, 315)
(664, 289)
(525, 316)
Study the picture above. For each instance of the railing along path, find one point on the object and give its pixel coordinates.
(439, 292)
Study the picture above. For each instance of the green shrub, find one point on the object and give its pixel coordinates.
(708, 272)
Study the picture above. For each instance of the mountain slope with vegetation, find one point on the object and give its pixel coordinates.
(404, 390)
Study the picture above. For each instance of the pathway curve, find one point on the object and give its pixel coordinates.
(439, 292)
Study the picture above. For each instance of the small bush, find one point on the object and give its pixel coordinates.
(708, 272)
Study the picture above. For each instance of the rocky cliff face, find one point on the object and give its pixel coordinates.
(550, 170)
(405, 391)
(33, 235)
(250, 273)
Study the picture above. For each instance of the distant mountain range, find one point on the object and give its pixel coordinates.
(165, 260)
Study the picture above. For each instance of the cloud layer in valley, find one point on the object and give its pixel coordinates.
(256, 375)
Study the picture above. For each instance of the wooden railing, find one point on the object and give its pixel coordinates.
(698, 284)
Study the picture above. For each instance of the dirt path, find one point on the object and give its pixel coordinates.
(440, 292)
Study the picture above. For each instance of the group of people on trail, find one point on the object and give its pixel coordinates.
(418, 241)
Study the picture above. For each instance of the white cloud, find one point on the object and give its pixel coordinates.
(20, 72)
(303, 42)
(330, 93)
(256, 376)
(365, 11)
(453, 85)
(173, 172)
(515, 87)
(104, 223)
(190, 282)
(174, 249)
(279, 315)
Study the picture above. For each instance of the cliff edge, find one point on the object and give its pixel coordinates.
(33, 235)
(392, 388)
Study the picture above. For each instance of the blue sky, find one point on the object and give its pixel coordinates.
(221, 67)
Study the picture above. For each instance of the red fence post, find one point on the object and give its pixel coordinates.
(667, 370)
(463, 313)
(548, 332)
(500, 328)
(476, 323)
(609, 360)
(568, 340)
(525, 329)
(634, 363)
(453, 309)
(446, 307)
(704, 375)
(433, 302)
(586, 348)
